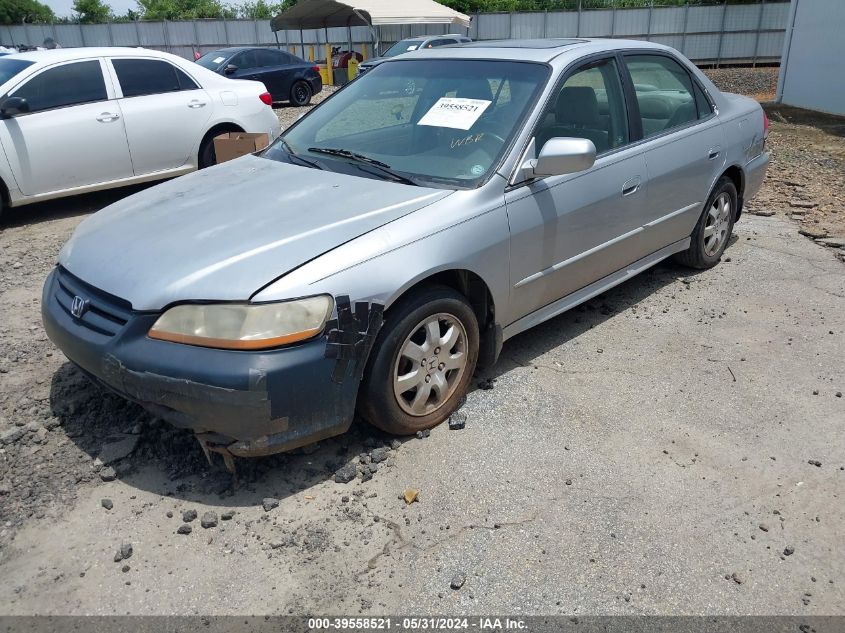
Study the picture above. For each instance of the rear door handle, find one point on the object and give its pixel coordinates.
(714, 153)
(196, 104)
(631, 186)
(108, 117)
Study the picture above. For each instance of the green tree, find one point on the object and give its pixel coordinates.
(260, 9)
(19, 11)
(184, 9)
(92, 11)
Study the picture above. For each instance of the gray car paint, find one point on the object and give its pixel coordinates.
(229, 232)
(222, 233)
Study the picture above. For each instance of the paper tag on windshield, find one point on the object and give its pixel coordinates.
(453, 112)
(217, 60)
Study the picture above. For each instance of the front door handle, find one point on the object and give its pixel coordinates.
(631, 186)
(108, 117)
(196, 103)
(713, 153)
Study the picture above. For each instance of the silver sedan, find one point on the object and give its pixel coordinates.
(392, 239)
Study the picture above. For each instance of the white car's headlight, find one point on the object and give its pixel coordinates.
(244, 326)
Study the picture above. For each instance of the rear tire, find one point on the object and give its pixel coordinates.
(713, 230)
(300, 93)
(207, 156)
(422, 362)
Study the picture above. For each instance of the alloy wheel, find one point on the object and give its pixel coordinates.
(718, 224)
(430, 364)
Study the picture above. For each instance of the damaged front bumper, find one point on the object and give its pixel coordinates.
(239, 403)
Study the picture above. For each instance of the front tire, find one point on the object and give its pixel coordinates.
(422, 362)
(713, 231)
(300, 94)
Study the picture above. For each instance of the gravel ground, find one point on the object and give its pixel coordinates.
(674, 446)
(760, 83)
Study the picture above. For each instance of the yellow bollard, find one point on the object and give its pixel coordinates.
(310, 53)
(329, 63)
(352, 70)
(364, 51)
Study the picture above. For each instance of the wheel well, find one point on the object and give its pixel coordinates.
(478, 294)
(735, 174)
(4, 195)
(221, 128)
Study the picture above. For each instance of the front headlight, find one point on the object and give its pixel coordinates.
(244, 326)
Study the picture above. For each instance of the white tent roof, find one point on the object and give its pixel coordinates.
(317, 14)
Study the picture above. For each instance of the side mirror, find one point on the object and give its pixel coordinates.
(11, 106)
(231, 68)
(561, 155)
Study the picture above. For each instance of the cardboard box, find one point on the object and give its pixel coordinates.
(236, 144)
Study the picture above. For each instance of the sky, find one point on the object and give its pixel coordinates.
(63, 7)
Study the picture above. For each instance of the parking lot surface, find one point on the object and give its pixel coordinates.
(674, 446)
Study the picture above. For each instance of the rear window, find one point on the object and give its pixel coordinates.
(150, 76)
(11, 67)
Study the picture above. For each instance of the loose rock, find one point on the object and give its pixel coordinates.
(108, 474)
(107, 503)
(458, 580)
(269, 503)
(209, 520)
(345, 474)
(788, 550)
(227, 516)
(378, 455)
(184, 529)
(457, 420)
(189, 515)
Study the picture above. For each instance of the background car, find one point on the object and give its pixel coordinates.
(77, 120)
(413, 44)
(286, 77)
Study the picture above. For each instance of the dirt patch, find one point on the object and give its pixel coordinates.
(806, 179)
(759, 83)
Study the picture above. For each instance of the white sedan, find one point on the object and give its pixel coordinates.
(77, 120)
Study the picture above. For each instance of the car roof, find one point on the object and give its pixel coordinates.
(537, 50)
(420, 38)
(69, 54)
(237, 49)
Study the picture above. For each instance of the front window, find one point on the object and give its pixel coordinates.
(434, 122)
(66, 85)
(403, 46)
(11, 67)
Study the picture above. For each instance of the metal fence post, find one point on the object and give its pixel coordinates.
(648, 28)
(111, 35)
(757, 36)
(684, 34)
(722, 33)
(578, 22)
(545, 23)
(510, 25)
(226, 33)
(81, 33)
(255, 28)
(137, 31)
(196, 35)
(612, 18)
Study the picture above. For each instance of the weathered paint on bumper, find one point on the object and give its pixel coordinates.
(251, 403)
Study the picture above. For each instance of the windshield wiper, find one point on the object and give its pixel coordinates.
(293, 154)
(345, 153)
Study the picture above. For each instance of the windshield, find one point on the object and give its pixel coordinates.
(11, 67)
(404, 46)
(213, 60)
(443, 121)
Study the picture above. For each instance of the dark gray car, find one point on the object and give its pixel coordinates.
(389, 243)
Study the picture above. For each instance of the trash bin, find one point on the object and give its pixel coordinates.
(324, 71)
(352, 70)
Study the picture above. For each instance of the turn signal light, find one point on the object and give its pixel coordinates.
(266, 98)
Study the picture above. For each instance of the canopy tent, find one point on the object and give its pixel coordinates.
(319, 14)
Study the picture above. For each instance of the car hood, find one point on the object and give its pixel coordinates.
(224, 232)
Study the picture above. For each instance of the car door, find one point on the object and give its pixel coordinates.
(72, 136)
(682, 144)
(276, 71)
(569, 231)
(164, 110)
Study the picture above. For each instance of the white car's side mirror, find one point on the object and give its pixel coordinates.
(561, 155)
